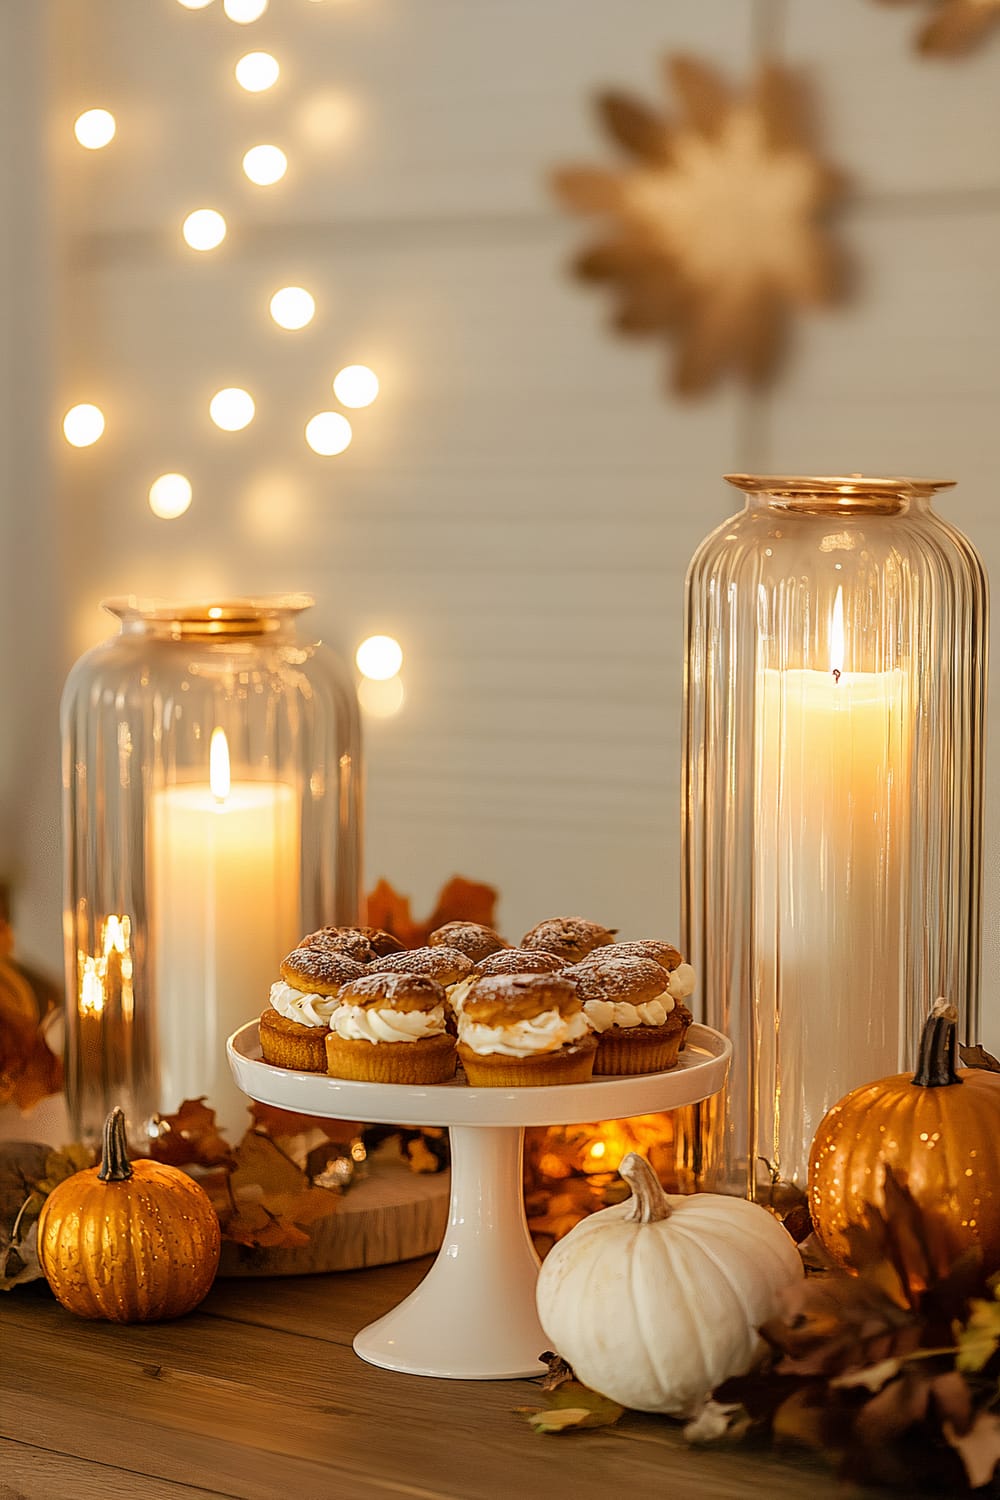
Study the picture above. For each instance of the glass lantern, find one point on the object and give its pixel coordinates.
(212, 811)
(832, 799)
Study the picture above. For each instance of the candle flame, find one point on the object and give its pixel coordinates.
(96, 977)
(218, 765)
(837, 636)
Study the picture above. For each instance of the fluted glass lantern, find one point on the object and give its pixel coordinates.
(832, 799)
(212, 788)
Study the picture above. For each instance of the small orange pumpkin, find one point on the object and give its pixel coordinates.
(939, 1131)
(132, 1242)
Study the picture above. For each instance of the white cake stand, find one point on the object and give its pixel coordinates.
(473, 1316)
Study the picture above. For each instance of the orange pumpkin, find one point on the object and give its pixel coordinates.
(132, 1242)
(939, 1131)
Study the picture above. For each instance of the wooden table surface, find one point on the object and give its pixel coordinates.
(258, 1394)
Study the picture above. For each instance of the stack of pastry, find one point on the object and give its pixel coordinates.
(567, 1002)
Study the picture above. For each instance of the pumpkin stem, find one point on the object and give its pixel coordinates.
(649, 1202)
(936, 1063)
(115, 1165)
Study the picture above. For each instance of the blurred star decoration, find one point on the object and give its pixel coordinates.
(715, 223)
(954, 27)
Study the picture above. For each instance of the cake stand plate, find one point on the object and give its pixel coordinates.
(473, 1316)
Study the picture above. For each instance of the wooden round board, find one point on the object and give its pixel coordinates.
(394, 1214)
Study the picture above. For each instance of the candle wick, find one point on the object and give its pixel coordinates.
(836, 675)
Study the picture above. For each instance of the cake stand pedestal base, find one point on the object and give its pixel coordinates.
(473, 1315)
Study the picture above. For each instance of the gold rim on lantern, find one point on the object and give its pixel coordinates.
(209, 618)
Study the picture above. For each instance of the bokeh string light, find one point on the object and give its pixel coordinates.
(292, 307)
(204, 229)
(265, 165)
(83, 425)
(244, 11)
(355, 385)
(257, 71)
(95, 128)
(380, 700)
(232, 409)
(379, 657)
(328, 433)
(194, 4)
(170, 496)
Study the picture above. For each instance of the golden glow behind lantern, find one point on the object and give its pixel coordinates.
(170, 496)
(194, 4)
(244, 11)
(232, 409)
(328, 433)
(94, 128)
(257, 71)
(204, 229)
(265, 165)
(355, 385)
(292, 307)
(83, 425)
(379, 657)
(219, 777)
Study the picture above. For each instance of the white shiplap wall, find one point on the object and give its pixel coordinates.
(520, 505)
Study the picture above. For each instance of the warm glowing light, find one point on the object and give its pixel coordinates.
(328, 433)
(837, 635)
(265, 165)
(170, 496)
(116, 936)
(257, 71)
(293, 307)
(355, 385)
(194, 4)
(379, 657)
(204, 229)
(83, 425)
(232, 409)
(380, 700)
(244, 11)
(326, 118)
(94, 128)
(218, 765)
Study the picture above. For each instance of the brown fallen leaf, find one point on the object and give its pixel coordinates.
(190, 1138)
(459, 900)
(573, 1405)
(979, 1448)
(279, 1123)
(978, 1057)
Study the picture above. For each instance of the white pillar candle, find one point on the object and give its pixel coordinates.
(225, 860)
(831, 773)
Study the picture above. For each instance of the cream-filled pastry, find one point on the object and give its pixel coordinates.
(664, 954)
(294, 1026)
(640, 1026)
(504, 961)
(391, 1028)
(518, 1030)
(570, 938)
(470, 938)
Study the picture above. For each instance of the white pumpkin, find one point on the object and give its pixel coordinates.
(656, 1301)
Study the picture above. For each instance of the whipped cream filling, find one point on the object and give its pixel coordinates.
(458, 993)
(682, 982)
(545, 1033)
(369, 1023)
(603, 1014)
(294, 1005)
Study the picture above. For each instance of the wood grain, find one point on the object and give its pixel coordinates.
(223, 1403)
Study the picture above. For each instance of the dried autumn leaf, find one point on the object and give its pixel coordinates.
(978, 1057)
(190, 1138)
(979, 1448)
(715, 1420)
(29, 1070)
(979, 1338)
(872, 1377)
(573, 1405)
(279, 1123)
(557, 1373)
(459, 900)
